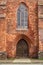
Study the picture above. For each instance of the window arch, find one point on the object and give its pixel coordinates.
(22, 17)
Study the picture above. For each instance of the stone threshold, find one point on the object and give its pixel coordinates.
(24, 61)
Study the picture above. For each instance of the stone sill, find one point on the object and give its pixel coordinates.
(21, 29)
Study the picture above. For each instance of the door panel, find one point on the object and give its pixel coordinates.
(22, 49)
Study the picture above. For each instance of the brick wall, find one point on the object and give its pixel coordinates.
(9, 35)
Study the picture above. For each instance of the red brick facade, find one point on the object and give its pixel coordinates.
(9, 35)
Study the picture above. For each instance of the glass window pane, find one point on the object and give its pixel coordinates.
(22, 16)
(26, 18)
(18, 18)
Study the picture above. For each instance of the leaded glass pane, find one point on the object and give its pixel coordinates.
(18, 18)
(22, 16)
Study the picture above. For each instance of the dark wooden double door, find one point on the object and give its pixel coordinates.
(22, 49)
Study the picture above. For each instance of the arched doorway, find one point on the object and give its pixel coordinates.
(22, 49)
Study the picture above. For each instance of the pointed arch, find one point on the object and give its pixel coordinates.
(22, 49)
(22, 17)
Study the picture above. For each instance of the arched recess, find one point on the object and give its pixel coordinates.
(22, 49)
(22, 16)
(26, 39)
(22, 36)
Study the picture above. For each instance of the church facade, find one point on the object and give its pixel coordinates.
(19, 28)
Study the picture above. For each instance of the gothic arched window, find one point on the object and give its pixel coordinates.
(22, 17)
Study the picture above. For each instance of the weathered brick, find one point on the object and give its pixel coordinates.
(12, 35)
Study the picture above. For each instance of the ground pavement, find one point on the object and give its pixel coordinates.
(21, 61)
